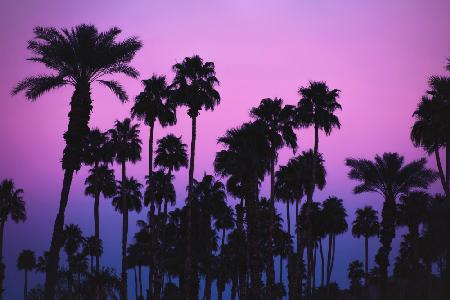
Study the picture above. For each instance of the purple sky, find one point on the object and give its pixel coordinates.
(379, 53)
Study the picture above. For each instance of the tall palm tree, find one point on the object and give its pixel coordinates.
(390, 177)
(101, 180)
(11, 206)
(432, 126)
(224, 222)
(366, 225)
(73, 241)
(193, 87)
(163, 192)
(279, 120)
(26, 262)
(151, 106)
(93, 247)
(334, 223)
(316, 108)
(246, 159)
(127, 147)
(79, 57)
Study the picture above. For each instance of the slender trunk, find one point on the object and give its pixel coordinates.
(270, 272)
(135, 283)
(150, 287)
(140, 280)
(290, 258)
(443, 177)
(314, 268)
(234, 288)
(123, 283)
(322, 273)
(92, 264)
(25, 288)
(150, 150)
(78, 129)
(57, 240)
(330, 247)
(447, 168)
(188, 263)
(281, 269)
(2, 265)
(97, 229)
(366, 261)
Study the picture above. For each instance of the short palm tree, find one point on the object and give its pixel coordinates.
(334, 223)
(246, 159)
(432, 125)
(316, 108)
(79, 57)
(163, 192)
(355, 274)
(279, 120)
(390, 177)
(26, 262)
(366, 225)
(93, 247)
(151, 106)
(101, 180)
(125, 141)
(11, 206)
(194, 87)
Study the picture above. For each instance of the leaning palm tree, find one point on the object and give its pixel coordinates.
(366, 225)
(193, 87)
(316, 108)
(127, 147)
(151, 106)
(246, 159)
(79, 57)
(279, 120)
(390, 177)
(26, 262)
(100, 181)
(11, 206)
(431, 129)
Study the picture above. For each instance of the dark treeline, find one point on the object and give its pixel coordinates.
(208, 240)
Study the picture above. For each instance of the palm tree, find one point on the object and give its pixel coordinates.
(101, 180)
(73, 240)
(93, 247)
(316, 108)
(412, 212)
(334, 223)
(163, 192)
(246, 159)
(79, 57)
(224, 222)
(26, 261)
(127, 146)
(11, 206)
(193, 87)
(390, 177)
(432, 126)
(150, 106)
(280, 129)
(355, 274)
(366, 225)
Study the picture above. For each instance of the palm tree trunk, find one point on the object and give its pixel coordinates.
(188, 262)
(322, 273)
(123, 283)
(25, 287)
(97, 228)
(447, 168)
(314, 268)
(78, 129)
(366, 261)
(281, 269)
(135, 283)
(57, 239)
(270, 273)
(443, 177)
(2, 265)
(140, 281)
(150, 278)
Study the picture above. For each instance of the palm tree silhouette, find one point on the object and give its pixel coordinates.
(193, 87)
(432, 126)
(280, 132)
(79, 57)
(125, 141)
(101, 180)
(334, 223)
(11, 206)
(355, 274)
(26, 262)
(150, 106)
(390, 177)
(224, 222)
(316, 108)
(246, 159)
(73, 241)
(93, 247)
(366, 225)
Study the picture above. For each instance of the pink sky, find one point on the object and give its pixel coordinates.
(378, 53)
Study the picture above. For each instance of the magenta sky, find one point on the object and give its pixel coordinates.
(379, 53)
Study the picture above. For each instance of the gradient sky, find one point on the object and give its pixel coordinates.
(379, 53)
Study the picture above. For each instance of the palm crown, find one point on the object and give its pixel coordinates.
(171, 153)
(131, 190)
(26, 260)
(125, 140)
(366, 222)
(193, 85)
(11, 202)
(100, 180)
